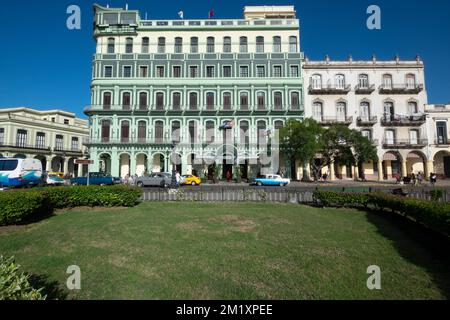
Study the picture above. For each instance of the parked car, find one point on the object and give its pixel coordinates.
(157, 179)
(96, 178)
(271, 180)
(53, 179)
(191, 179)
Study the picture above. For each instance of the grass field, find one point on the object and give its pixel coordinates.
(227, 251)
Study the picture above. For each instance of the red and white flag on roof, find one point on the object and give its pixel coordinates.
(211, 13)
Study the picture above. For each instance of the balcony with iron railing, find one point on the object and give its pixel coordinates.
(404, 88)
(444, 142)
(366, 121)
(403, 120)
(327, 121)
(364, 89)
(24, 146)
(405, 143)
(329, 89)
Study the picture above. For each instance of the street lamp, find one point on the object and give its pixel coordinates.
(173, 183)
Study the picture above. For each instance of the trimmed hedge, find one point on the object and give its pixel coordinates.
(433, 215)
(18, 206)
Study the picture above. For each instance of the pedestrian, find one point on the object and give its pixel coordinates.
(419, 178)
(413, 179)
(433, 179)
(178, 178)
(125, 179)
(228, 176)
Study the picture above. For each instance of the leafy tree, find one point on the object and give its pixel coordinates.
(301, 140)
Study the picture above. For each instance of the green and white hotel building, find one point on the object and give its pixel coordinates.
(216, 88)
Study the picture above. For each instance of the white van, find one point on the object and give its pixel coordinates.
(15, 172)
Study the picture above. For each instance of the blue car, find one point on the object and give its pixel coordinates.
(271, 180)
(96, 178)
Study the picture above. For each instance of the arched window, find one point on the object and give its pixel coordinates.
(292, 44)
(129, 45)
(276, 44)
(176, 101)
(210, 101)
(317, 111)
(210, 131)
(142, 131)
(259, 44)
(227, 101)
(339, 81)
(363, 81)
(210, 45)
(341, 111)
(364, 111)
(111, 45)
(243, 47)
(106, 125)
(278, 100)
(143, 103)
(243, 98)
(295, 101)
(107, 98)
(178, 45)
(194, 44)
(159, 131)
(226, 44)
(387, 81)
(193, 101)
(161, 45)
(244, 136)
(145, 45)
(316, 81)
(126, 101)
(159, 101)
(176, 134)
(261, 100)
(125, 131)
(410, 81)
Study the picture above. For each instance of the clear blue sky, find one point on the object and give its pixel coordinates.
(44, 65)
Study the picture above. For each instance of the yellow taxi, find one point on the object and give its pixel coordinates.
(59, 174)
(191, 180)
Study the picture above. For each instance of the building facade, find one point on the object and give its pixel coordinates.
(385, 100)
(55, 137)
(197, 92)
(438, 117)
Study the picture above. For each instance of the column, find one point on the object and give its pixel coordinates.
(404, 172)
(356, 173)
(115, 163)
(380, 170)
(66, 165)
(80, 170)
(332, 174)
(132, 163)
(429, 168)
(184, 164)
(149, 163)
(306, 172)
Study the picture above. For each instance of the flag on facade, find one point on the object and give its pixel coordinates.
(211, 14)
(181, 14)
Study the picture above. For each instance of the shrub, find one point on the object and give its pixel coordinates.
(436, 194)
(93, 196)
(432, 214)
(16, 206)
(15, 285)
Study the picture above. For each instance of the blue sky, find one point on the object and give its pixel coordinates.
(44, 65)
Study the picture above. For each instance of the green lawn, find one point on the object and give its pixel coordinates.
(227, 251)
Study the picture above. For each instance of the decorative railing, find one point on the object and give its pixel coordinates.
(403, 120)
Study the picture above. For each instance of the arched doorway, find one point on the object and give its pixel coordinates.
(158, 162)
(43, 160)
(416, 162)
(442, 164)
(392, 165)
(57, 164)
(104, 161)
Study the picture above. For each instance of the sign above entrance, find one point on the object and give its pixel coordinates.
(84, 161)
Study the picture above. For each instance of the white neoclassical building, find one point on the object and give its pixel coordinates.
(55, 137)
(385, 100)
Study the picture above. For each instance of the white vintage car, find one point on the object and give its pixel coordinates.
(271, 180)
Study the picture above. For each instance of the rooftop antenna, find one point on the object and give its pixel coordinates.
(126, 7)
(146, 16)
(107, 5)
